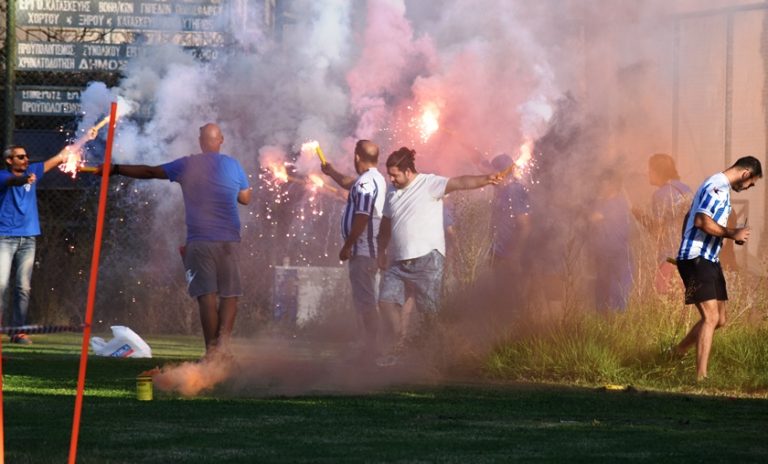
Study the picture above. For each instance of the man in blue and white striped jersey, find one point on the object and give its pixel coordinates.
(698, 259)
(359, 228)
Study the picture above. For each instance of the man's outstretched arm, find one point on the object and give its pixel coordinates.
(136, 171)
(472, 182)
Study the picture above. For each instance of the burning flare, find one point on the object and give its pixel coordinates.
(314, 145)
(75, 161)
(428, 123)
(316, 181)
(278, 171)
(525, 154)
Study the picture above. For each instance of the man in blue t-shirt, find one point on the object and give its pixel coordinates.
(19, 227)
(663, 221)
(212, 185)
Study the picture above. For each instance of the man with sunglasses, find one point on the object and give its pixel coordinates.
(19, 227)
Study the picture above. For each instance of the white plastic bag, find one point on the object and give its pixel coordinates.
(124, 344)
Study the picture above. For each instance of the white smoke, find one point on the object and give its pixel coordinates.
(344, 70)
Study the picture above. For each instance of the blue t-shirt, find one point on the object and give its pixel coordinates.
(669, 204)
(210, 183)
(18, 205)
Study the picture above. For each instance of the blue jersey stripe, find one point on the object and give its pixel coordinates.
(365, 198)
(713, 199)
(371, 232)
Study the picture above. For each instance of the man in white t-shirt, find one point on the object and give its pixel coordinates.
(359, 229)
(412, 238)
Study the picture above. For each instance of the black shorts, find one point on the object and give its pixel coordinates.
(703, 280)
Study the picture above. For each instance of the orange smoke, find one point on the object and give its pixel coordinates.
(193, 378)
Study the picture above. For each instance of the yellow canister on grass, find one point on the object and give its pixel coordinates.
(144, 388)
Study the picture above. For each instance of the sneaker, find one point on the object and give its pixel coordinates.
(21, 339)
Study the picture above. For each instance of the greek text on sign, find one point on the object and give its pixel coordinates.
(46, 101)
(165, 15)
(60, 56)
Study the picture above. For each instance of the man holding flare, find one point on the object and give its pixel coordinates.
(412, 238)
(20, 225)
(213, 184)
(359, 229)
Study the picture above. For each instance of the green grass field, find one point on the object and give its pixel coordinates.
(451, 422)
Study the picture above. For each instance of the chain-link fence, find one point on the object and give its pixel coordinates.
(141, 280)
(719, 99)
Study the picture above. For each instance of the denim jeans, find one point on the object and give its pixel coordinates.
(16, 253)
(420, 277)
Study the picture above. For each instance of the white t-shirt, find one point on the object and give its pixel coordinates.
(416, 212)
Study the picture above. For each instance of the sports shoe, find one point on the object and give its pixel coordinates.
(21, 339)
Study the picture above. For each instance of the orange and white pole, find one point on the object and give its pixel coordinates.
(2, 423)
(92, 285)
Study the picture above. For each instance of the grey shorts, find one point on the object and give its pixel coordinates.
(363, 277)
(420, 277)
(213, 267)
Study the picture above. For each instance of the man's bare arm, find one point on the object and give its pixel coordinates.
(244, 196)
(55, 160)
(472, 182)
(136, 171)
(385, 232)
(707, 224)
(343, 181)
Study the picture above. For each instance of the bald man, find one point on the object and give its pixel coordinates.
(212, 184)
(359, 229)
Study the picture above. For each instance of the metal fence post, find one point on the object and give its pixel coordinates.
(10, 71)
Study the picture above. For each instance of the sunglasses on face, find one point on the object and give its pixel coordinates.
(21, 157)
